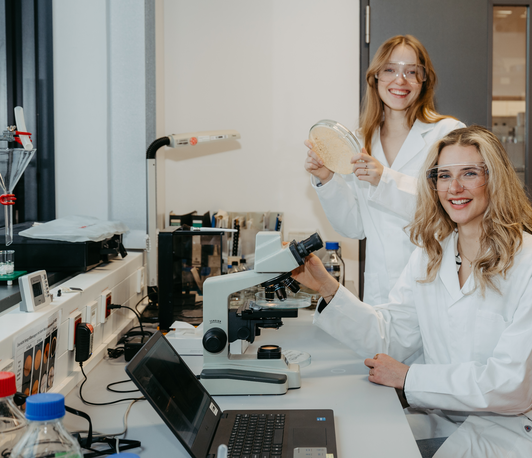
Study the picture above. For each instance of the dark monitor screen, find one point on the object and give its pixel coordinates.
(171, 388)
(37, 289)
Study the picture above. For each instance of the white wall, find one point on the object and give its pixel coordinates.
(104, 95)
(269, 70)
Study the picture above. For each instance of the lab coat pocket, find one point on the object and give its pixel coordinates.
(489, 327)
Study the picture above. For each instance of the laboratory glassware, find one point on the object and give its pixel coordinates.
(12, 421)
(46, 436)
(333, 262)
(335, 144)
(13, 163)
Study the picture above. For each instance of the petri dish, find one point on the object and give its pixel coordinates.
(293, 301)
(335, 144)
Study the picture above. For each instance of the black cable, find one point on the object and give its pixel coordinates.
(137, 304)
(88, 441)
(116, 306)
(116, 352)
(100, 403)
(117, 383)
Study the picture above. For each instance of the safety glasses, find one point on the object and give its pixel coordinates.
(468, 176)
(413, 73)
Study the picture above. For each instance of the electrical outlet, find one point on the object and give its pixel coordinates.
(90, 314)
(104, 301)
(140, 280)
(73, 320)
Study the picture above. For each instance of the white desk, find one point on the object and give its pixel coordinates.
(369, 419)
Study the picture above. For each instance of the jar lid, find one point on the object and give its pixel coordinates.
(124, 455)
(45, 406)
(335, 144)
(8, 385)
(332, 245)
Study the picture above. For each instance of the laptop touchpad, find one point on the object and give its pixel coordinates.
(309, 437)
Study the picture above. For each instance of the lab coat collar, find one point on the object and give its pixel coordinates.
(413, 145)
(447, 273)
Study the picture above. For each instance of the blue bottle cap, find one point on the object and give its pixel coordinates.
(332, 245)
(124, 455)
(45, 406)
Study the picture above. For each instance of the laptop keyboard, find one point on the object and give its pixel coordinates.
(257, 436)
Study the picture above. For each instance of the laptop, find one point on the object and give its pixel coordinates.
(201, 426)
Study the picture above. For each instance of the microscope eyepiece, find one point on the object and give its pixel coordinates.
(302, 249)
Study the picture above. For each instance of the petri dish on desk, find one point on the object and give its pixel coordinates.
(335, 144)
(293, 301)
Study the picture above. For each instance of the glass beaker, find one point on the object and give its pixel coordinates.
(13, 162)
(7, 262)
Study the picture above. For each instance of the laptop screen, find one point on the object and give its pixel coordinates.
(171, 388)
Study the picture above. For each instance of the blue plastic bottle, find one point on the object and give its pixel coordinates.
(46, 436)
(333, 262)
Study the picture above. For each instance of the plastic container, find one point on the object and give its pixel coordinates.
(233, 268)
(293, 301)
(335, 144)
(333, 262)
(46, 436)
(12, 421)
(124, 455)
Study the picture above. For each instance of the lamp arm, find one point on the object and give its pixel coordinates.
(151, 187)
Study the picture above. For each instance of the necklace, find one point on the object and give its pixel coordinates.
(465, 257)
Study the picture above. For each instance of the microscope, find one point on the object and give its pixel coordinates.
(267, 371)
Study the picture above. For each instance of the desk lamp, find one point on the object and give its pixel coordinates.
(172, 141)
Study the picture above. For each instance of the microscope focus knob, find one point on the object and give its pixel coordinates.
(214, 340)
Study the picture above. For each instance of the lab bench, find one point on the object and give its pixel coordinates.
(119, 278)
(369, 419)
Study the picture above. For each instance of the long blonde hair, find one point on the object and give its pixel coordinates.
(507, 215)
(371, 117)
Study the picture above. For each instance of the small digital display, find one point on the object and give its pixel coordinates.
(37, 288)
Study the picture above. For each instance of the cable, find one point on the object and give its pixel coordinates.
(100, 403)
(137, 304)
(117, 391)
(117, 306)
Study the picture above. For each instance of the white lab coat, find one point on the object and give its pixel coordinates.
(477, 351)
(379, 213)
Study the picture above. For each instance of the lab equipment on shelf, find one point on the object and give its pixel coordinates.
(227, 373)
(13, 163)
(13, 424)
(333, 262)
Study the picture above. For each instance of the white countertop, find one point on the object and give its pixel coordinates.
(369, 419)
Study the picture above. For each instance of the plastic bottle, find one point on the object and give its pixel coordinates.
(124, 455)
(333, 262)
(46, 436)
(12, 421)
(233, 268)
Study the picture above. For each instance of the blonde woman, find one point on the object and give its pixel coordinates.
(398, 123)
(464, 299)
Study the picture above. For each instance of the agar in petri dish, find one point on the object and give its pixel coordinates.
(335, 144)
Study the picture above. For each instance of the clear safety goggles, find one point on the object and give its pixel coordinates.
(413, 73)
(468, 176)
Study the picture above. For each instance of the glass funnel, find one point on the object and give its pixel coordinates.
(13, 162)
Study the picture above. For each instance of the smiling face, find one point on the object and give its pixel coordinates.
(466, 207)
(399, 94)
